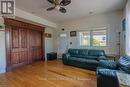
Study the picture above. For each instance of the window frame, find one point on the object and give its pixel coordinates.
(91, 37)
(62, 34)
(80, 38)
(106, 38)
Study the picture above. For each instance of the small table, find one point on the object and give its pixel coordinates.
(51, 56)
(112, 56)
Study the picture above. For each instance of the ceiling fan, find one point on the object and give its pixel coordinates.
(58, 4)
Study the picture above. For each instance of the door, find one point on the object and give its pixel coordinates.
(63, 40)
(36, 45)
(19, 48)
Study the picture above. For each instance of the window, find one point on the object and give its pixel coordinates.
(63, 35)
(99, 38)
(93, 38)
(85, 38)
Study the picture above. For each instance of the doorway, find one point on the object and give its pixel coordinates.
(63, 44)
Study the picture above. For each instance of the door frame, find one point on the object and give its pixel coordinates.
(7, 22)
(59, 38)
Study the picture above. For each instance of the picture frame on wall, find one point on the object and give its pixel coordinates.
(73, 33)
(48, 35)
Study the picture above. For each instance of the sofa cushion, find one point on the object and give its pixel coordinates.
(106, 72)
(109, 64)
(84, 60)
(92, 61)
(83, 52)
(96, 53)
(87, 57)
(92, 57)
(73, 52)
(102, 58)
(124, 63)
(81, 56)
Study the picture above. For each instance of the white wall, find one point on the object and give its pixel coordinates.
(128, 28)
(110, 20)
(2, 48)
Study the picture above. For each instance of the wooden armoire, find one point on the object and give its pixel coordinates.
(24, 43)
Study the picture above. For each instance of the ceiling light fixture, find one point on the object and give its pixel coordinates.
(58, 5)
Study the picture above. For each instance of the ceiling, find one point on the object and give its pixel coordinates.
(77, 8)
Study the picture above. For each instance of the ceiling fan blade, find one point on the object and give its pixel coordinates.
(51, 1)
(65, 2)
(57, 2)
(50, 9)
(62, 10)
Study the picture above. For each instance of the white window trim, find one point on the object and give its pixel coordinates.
(79, 38)
(91, 36)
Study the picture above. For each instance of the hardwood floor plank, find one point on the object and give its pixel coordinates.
(48, 74)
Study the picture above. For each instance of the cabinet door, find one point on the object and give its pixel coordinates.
(23, 43)
(19, 50)
(36, 45)
(23, 46)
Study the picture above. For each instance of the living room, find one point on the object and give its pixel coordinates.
(58, 43)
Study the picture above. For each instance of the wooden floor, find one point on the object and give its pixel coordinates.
(50, 74)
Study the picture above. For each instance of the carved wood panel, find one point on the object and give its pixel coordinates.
(15, 38)
(36, 45)
(23, 38)
(24, 43)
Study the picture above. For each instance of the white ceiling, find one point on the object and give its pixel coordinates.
(77, 8)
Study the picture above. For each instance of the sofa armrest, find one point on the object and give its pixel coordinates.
(107, 78)
(65, 57)
(106, 72)
(109, 64)
(102, 58)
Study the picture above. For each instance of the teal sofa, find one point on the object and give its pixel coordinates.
(83, 58)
